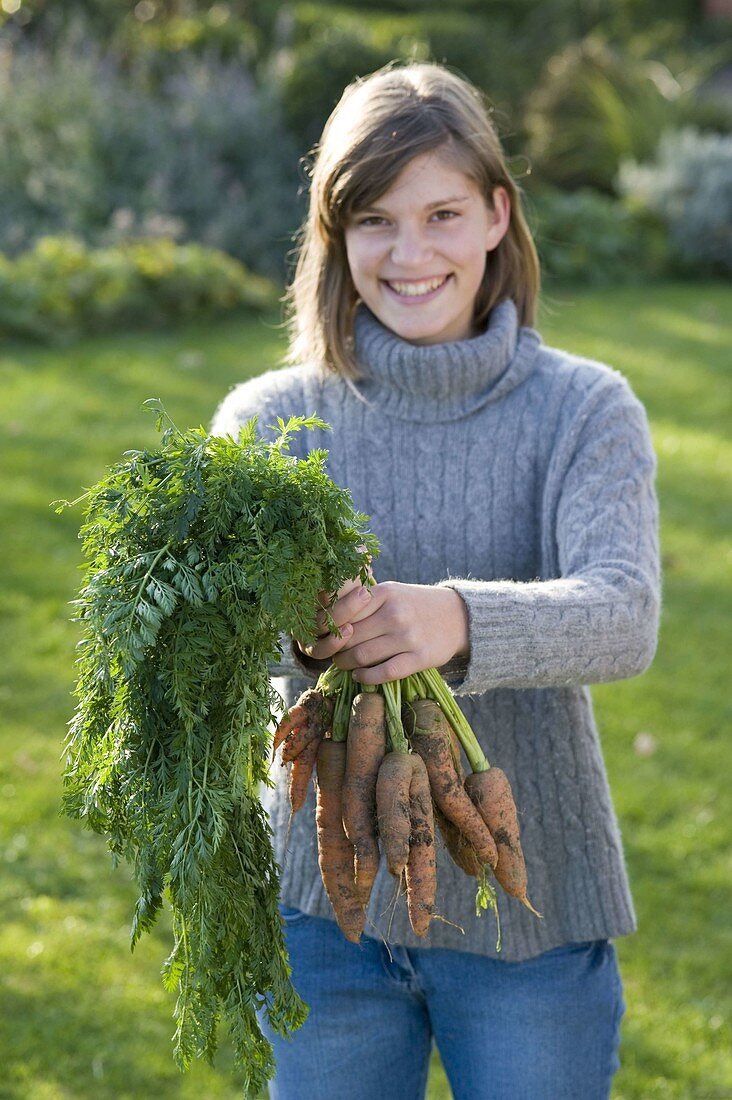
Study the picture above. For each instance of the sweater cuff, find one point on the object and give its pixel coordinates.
(493, 612)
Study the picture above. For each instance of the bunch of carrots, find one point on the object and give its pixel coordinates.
(387, 770)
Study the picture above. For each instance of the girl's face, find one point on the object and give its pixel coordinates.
(417, 256)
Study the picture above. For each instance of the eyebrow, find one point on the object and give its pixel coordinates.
(430, 205)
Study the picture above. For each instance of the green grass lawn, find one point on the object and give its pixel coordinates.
(82, 1019)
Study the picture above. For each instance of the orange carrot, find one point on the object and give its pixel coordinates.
(461, 850)
(335, 852)
(492, 795)
(308, 718)
(430, 736)
(301, 771)
(421, 869)
(392, 808)
(366, 747)
(294, 716)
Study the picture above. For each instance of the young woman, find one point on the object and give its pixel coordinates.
(511, 486)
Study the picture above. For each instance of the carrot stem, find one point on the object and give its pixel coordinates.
(393, 699)
(409, 690)
(342, 713)
(430, 685)
(334, 681)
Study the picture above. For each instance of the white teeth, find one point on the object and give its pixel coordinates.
(413, 290)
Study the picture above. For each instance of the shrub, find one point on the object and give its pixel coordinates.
(329, 45)
(310, 77)
(50, 176)
(586, 236)
(689, 186)
(215, 32)
(594, 107)
(60, 288)
(85, 151)
(230, 169)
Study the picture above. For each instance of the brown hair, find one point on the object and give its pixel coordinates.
(379, 125)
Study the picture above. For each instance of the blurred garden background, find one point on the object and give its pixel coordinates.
(153, 172)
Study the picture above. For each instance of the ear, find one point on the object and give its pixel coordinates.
(501, 215)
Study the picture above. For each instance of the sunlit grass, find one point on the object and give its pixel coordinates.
(81, 1019)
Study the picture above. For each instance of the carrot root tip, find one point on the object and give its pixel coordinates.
(525, 901)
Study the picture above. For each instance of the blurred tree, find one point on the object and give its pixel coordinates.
(597, 104)
(561, 20)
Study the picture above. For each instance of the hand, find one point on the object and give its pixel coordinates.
(397, 630)
(349, 603)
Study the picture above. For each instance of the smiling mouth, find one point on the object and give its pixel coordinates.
(417, 289)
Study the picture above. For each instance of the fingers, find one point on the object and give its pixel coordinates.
(395, 668)
(364, 652)
(329, 645)
(325, 599)
(366, 638)
(348, 608)
(374, 637)
(391, 630)
(352, 606)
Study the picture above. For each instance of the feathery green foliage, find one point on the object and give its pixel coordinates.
(199, 555)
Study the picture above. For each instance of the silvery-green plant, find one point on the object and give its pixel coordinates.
(689, 186)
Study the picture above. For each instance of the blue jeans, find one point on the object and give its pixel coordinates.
(544, 1029)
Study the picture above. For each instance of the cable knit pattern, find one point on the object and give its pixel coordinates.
(522, 477)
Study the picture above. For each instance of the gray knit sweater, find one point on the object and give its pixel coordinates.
(522, 477)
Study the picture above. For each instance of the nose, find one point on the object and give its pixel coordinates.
(410, 247)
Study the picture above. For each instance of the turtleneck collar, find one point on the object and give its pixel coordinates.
(435, 382)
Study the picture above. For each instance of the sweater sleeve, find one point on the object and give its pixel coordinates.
(598, 620)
